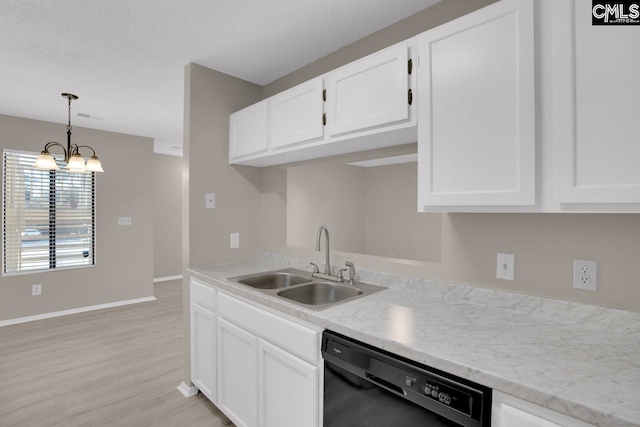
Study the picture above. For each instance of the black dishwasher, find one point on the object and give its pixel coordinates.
(367, 387)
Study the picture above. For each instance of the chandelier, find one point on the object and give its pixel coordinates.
(73, 159)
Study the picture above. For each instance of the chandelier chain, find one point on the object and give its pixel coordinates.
(69, 124)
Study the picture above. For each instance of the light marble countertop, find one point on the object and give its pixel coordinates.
(578, 360)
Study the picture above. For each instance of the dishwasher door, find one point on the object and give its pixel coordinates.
(350, 401)
(368, 387)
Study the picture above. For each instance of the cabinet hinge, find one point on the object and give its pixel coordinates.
(410, 96)
(324, 94)
(410, 66)
(324, 119)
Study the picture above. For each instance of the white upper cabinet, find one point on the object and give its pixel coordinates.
(596, 104)
(296, 115)
(476, 133)
(366, 107)
(370, 92)
(248, 131)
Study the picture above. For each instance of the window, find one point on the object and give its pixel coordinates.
(48, 217)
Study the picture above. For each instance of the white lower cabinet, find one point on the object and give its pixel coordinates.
(259, 383)
(203, 320)
(203, 350)
(288, 389)
(237, 374)
(509, 411)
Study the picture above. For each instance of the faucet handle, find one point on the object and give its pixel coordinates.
(352, 270)
(316, 269)
(340, 273)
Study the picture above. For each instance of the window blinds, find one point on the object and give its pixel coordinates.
(48, 217)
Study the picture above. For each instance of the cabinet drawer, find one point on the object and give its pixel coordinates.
(296, 339)
(203, 295)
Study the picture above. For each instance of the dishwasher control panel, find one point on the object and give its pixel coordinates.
(456, 399)
(441, 393)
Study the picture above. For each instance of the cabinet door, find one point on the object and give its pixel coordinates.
(513, 417)
(248, 132)
(237, 374)
(596, 93)
(203, 350)
(476, 121)
(288, 389)
(295, 115)
(509, 411)
(369, 92)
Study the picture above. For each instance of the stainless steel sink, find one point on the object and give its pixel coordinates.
(299, 287)
(320, 293)
(275, 280)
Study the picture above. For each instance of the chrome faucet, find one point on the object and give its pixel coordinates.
(327, 266)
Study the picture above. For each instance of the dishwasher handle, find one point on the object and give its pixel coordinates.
(386, 385)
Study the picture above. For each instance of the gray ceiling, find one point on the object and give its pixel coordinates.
(125, 59)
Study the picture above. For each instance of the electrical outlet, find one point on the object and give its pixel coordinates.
(234, 240)
(209, 201)
(506, 266)
(124, 220)
(36, 290)
(585, 274)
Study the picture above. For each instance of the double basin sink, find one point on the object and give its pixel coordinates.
(301, 288)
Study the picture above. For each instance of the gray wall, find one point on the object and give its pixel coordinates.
(394, 228)
(210, 97)
(330, 194)
(124, 255)
(433, 16)
(167, 215)
(368, 211)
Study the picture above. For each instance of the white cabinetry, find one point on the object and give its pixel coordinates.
(288, 389)
(248, 131)
(367, 107)
(596, 106)
(268, 367)
(203, 350)
(476, 138)
(237, 374)
(203, 338)
(296, 115)
(370, 92)
(508, 411)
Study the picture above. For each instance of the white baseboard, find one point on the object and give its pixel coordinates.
(73, 311)
(186, 390)
(167, 278)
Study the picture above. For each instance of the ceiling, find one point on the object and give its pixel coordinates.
(125, 59)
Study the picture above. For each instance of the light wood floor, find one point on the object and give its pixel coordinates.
(113, 367)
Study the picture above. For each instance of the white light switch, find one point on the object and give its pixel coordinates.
(506, 266)
(210, 201)
(36, 290)
(234, 240)
(124, 220)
